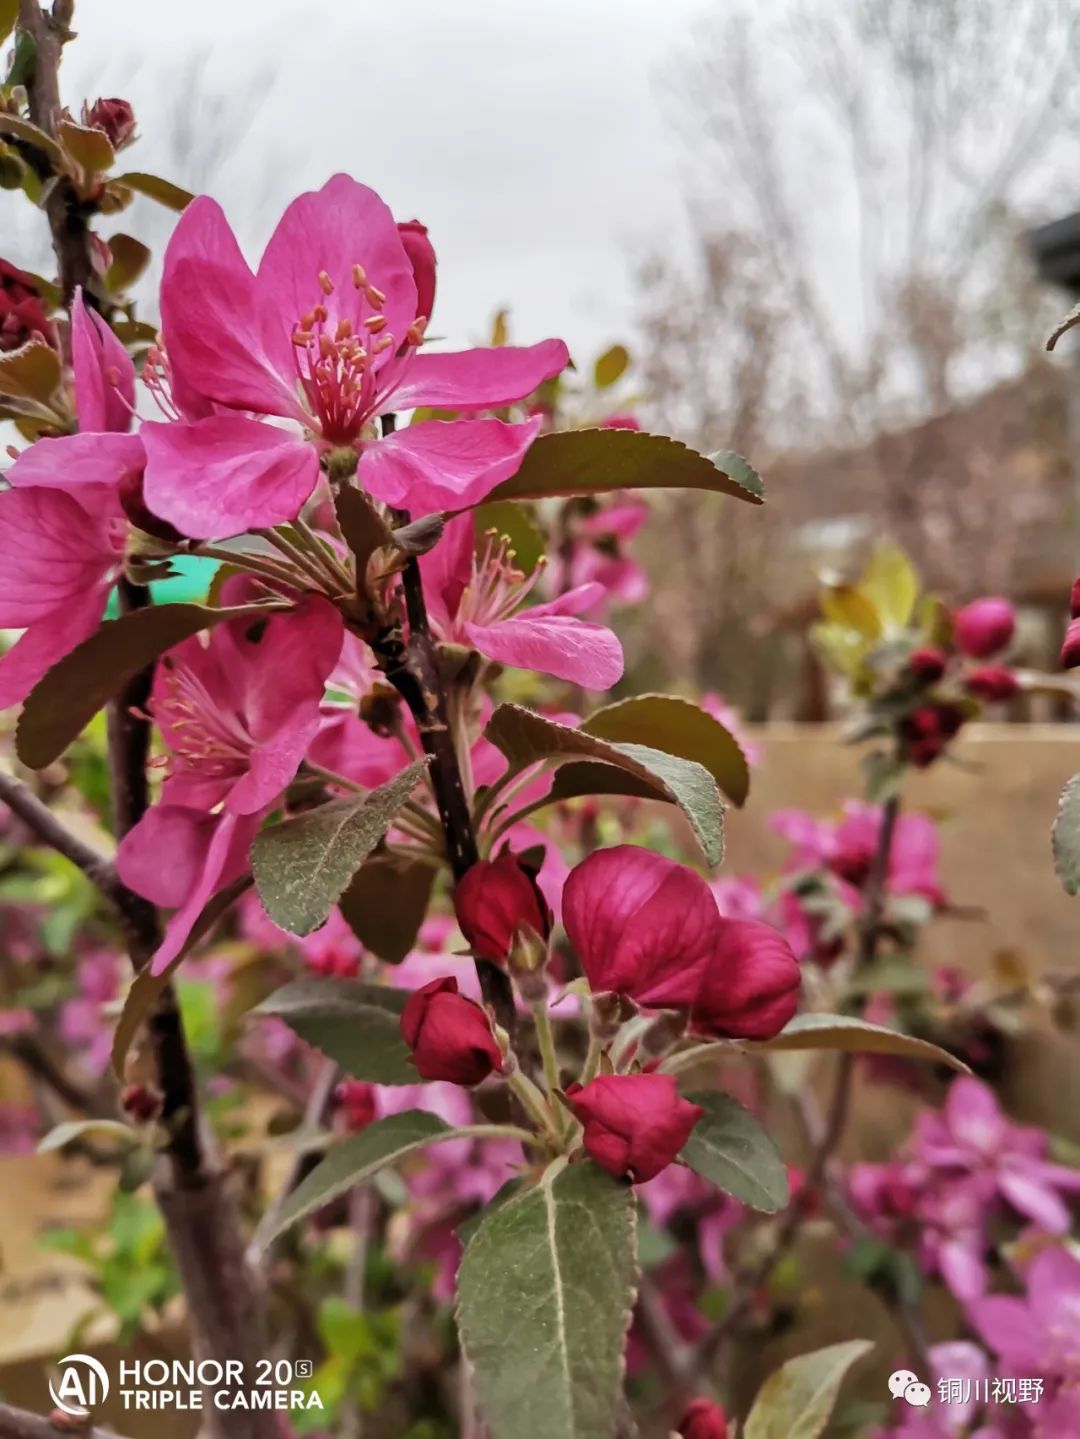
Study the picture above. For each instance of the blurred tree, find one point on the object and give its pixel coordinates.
(860, 173)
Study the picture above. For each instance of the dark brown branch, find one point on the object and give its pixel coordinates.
(18, 1424)
(67, 214)
(51, 830)
(413, 669)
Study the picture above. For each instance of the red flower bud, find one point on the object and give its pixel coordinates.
(421, 253)
(750, 988)
(984, 627)
(22, 315)
(355, 1102)
(702, 1419)
(926, 730)
(993, 683)
(1070, 650)
(927, 664)
(140, 1102)
(115, 117)
(635, 1124)
(450, 1036)
(493, 901)
(1074, 600)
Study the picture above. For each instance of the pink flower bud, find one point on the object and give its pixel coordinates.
(927, 664)
(635, 1124)
(355, 1103)
(751, 986)
(450, 1036)
(703, 1419)
(421, 253)
(115, 117)
(1074, 600)
(22, 315)
(1070, 650)
(984, 627)
(495, 900)
(925, 732)
(993, 683)
(140, 1102)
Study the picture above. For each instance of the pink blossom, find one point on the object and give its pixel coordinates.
(1039, 1334)
(237, 713)
(83, 1021)
(63, 531)
(476, 601)
(324, 334)
(847, 847)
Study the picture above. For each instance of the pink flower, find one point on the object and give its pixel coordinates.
(649, 928)
(1040, 1335)
(984, 627)
(325, 334)
(971, 1134)
(63, 531)
(634, 1124)
(476, 601)
(237, 713)
(703, 1419)
(993, 683)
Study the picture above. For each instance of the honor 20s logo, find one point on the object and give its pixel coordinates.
(83, 1385)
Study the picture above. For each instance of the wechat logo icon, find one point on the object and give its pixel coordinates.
(909, 1387)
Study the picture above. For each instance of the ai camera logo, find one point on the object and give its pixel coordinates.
(909, 1387)
(83, 1385)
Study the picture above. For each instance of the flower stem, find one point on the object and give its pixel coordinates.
(592, 1060)
(533, 1103)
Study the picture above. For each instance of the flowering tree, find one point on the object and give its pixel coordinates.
(347, 770)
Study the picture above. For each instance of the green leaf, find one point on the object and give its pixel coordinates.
(845, 1032)
(163, 191)
(356, 1025)
(64, 1134)
(677, 727)
(32, 372)
(847, 607)
(596, 462)
(796, 1401)
(525, 738)
(1065, 837)
(515, 522)
(88, 146)
(545, 1292)
(360, 1157)
(24, 130)
(130, 258)
(611, 366)
(73, 691)
(388, 930)
(891, 584)
(363, 528)
(734, 1151)
(302, 865)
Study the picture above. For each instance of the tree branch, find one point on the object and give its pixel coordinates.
(413, 669)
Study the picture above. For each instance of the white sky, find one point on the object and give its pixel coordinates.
(528, 137)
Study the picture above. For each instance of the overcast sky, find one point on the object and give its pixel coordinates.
(530, 138)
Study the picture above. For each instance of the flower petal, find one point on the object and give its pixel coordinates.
(54, 552)
(46, 642)
(479, 379)
(209, 317)
(1037, 1202)
(574, 650)
(641, 924)
(444, 464)
(68, 462)
(226, 474)
(104, 373)
(330, 231)
(447, 567)
(205, 853)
